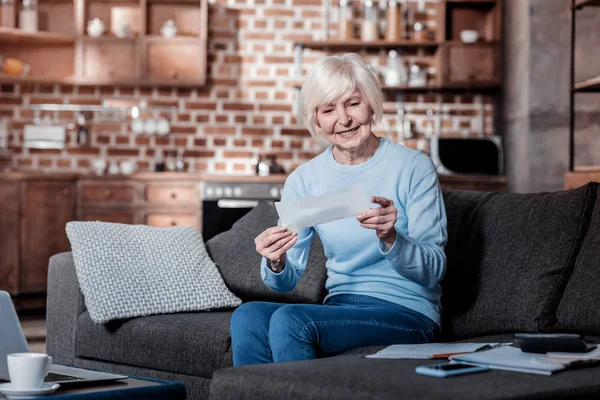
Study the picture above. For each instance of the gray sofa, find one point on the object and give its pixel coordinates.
(516, 263)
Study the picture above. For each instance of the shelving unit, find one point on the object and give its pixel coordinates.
(17, 36)
(460, 67)
(577, 176)
(143, 59)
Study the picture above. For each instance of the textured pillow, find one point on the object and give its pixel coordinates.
(235, 254)
(510, 256)
(579, 309)
(133, 270)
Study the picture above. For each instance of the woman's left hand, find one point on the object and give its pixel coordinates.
(381, 219)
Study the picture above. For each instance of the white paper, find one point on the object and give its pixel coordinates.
(427, 350)
(511, 359)
(315, 210)
(590, 355)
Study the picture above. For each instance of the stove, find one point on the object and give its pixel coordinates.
(223, 203)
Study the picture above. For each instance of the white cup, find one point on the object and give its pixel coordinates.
(469, 36)
(127, 167)
(28, 370)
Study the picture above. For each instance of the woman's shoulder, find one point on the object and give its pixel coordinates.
(407, 154)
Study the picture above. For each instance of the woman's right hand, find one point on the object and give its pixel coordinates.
(273, 244)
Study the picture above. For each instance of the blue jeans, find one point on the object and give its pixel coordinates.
(264, 332)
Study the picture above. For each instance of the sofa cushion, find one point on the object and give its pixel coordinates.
(194, 344)
(358, 378)
(579, 309)
(235, 254)
(133, 270)
(509, 258)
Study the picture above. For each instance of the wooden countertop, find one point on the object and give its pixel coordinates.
(194, 176)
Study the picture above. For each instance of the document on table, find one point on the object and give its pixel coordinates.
(315, 210)
(429, 350)
(590, 355)
(513, 359)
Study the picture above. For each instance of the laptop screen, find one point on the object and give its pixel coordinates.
(12, 338)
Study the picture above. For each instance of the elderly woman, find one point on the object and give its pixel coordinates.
(384, 266)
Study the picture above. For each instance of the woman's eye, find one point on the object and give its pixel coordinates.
(354, 104)
(327, 111)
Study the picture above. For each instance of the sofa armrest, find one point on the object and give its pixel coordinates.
(64, 305)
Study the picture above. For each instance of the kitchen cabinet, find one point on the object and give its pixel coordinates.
(159, 200)
(33, 214)
(142, 58)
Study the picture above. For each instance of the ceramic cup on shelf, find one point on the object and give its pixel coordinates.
(162, 126)
(469, 36)
(137, 126)
(127, 167)
(28, 370)
(123, 31)
(95, 27)
(169, 29)
(99, 166)
(114, 169)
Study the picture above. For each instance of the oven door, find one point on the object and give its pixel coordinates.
(220, 215)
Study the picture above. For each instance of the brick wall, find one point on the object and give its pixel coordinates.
(247, 106)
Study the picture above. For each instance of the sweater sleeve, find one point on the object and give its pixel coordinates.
(419, 255)
(297, 256)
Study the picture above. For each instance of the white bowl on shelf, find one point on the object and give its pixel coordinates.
(469, 36)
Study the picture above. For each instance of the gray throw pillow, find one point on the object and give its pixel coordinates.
(510, 256)
(235, 254)
(134, 270)
(578, 311)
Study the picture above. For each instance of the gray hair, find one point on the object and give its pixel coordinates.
(335, 77)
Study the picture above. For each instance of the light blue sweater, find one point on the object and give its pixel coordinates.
(357, 261)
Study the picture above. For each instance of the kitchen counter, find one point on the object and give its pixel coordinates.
(195, 176)
(465, 182)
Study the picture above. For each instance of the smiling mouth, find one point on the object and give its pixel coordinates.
(348, 132)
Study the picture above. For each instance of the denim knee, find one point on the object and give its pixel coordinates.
(285, 324)
(245, 316)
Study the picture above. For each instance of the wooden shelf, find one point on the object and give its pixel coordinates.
(478, 87)
(13, 35)
(477, 43)
(349, 44)
(6, 78)
(180, 39)
(107, 38)
(590, 85)
(471, 1)
(586, 3)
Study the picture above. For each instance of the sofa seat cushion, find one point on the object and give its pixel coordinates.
(579, 309)
(186, 343)
(235, 254)
(355, 377)
(509, 257)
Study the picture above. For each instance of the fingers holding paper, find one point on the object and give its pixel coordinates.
(381, 219)
(273, 242)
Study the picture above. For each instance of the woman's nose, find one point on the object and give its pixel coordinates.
(343, 117)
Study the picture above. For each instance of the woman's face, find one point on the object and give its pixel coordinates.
(347, 122)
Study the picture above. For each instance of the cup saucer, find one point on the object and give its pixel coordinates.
(15, 393)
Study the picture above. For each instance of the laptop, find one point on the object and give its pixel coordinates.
(12, 340)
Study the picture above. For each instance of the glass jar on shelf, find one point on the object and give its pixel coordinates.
(395, 72)
(393, 27)
(346, 25)
(418, 32)
(417, 76)
(28, 16)
(369, 30)
(7, 11)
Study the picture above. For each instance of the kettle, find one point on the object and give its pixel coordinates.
(268, 165)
